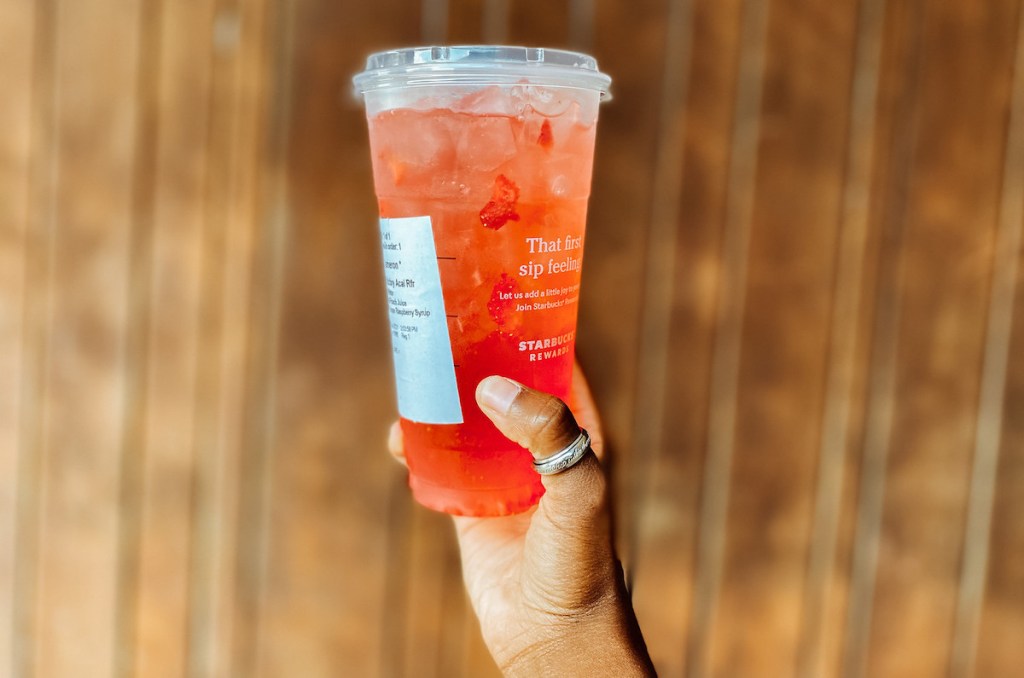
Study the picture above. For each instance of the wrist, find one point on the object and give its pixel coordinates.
(603, 640)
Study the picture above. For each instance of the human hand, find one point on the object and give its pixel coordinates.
(546, 585)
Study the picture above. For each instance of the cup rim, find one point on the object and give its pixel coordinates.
(481, 65)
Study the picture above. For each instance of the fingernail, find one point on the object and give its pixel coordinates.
(497, 393)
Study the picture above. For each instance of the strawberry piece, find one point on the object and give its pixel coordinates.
(501, 299)
(501, 208)
(545, 139)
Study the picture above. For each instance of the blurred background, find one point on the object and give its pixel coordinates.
(802, 316)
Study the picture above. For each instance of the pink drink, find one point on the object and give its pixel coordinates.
(488, 183)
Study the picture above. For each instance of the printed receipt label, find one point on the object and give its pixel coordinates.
(424, 369)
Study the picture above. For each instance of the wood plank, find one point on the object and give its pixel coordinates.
(618, 222)
(395, 599)
(725, 357)
(948, 246)
(463, 652)
(237, 146)
(664, 525)
(17, 30)
(250, 153)
(80, 441)
(795, 219)
(582, 15)
(494, 22)
(205, 633)
(824, 599)
(895, 134)
(431, 543)
(270, 236)
(36, 314)
(173, 306)
(1001, 617)
(136, 328)
(991, 405)
(999, 651)
(326, 586)
(465, 22)
(434, 22)
(538, 24)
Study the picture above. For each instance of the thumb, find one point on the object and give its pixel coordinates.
(544, 425)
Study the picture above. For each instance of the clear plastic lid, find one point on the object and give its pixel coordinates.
(481, 65)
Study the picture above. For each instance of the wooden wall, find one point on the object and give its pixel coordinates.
(803, 317)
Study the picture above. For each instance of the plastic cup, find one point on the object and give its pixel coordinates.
(482, 160)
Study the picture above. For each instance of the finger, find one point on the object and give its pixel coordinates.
(544, 425)
(395, 446)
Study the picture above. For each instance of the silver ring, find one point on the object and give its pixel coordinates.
(564, 458)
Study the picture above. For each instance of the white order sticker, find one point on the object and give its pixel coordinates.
(424, 369)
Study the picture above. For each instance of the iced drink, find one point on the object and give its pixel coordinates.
(482, 181)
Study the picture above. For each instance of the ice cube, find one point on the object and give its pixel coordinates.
(586, 114)
(549, 101)
(556, 131)
(417, 139)
(560, 185)
(492, 100)
(486, 143)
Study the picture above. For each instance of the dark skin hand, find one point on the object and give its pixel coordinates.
(546, 584)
